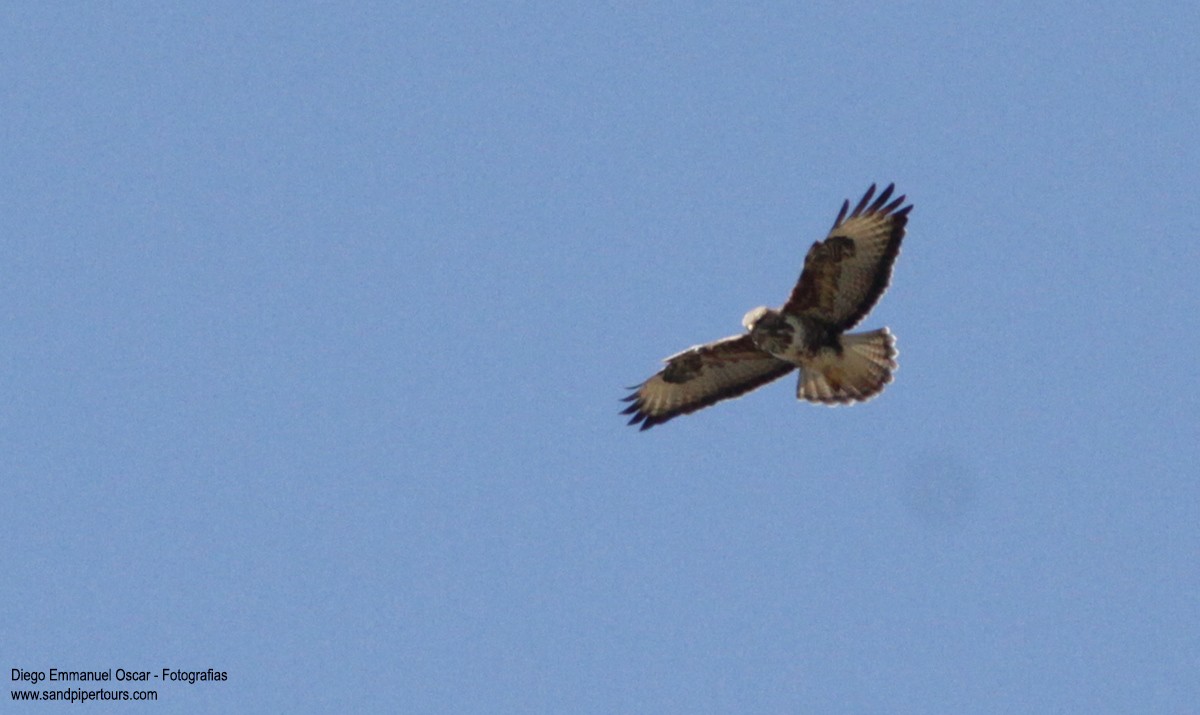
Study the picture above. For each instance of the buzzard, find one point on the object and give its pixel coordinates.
(843, 277)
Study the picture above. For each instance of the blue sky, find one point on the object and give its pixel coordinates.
(317, 317)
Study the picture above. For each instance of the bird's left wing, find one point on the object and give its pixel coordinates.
(701, 376)
(845, 274)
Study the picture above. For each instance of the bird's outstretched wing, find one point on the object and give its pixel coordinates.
(701, 376)
(845, 274)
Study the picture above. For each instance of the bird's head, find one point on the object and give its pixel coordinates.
(753, 317)
(769, 330)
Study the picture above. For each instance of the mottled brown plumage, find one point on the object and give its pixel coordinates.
(843, 277)
(701, 376)
(845, 274)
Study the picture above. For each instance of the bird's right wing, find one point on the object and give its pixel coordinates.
(702, 376)
(845, 274)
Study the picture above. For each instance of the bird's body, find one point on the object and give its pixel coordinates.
(843, 277)
(793, 338)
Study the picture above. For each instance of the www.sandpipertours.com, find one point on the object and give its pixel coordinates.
(77, 686)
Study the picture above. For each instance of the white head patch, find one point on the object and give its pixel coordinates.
(754, 316)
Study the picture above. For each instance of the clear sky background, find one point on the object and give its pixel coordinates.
(316, 318)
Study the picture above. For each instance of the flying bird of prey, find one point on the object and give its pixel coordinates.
(843, 277)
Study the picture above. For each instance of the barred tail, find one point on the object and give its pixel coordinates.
(859, 372)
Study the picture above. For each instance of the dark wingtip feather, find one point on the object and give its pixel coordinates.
(640, 417)
(862, 204)
(841, 214)
(882, 198)
(636, 409)
(892, 206)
